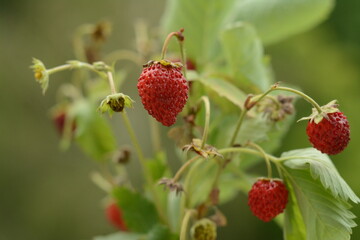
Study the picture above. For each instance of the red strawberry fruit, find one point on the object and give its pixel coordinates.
(114, 215)
(331, 135)
(163, 90)
(59, 119)
(268, 198)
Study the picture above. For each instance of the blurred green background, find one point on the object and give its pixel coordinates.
(47, 194)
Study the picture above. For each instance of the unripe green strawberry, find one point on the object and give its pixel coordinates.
(114, 215)
(163, 91)
(204, 229)
(267, 198)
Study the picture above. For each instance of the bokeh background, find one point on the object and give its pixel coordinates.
(47, 194)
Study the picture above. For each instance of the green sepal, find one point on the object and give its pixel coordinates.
(115, 103)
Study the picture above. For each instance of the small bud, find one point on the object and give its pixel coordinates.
(115, 103)
(41, 74)
(203, 229)
(122, 156)
(101, 32)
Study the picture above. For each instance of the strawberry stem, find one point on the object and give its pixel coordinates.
(206, 101)
(184, 225)
(266, 157)
(178, 35)
(303, 95)
(183, 168)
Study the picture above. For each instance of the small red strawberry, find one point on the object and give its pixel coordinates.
(163, 90)
(59, 119)
(331, 135)
(329, 130)
(114, 215)
(268, 198)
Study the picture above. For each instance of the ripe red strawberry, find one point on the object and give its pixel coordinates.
(114, 215)
(163, 91)
(331, 135)
(268, 198)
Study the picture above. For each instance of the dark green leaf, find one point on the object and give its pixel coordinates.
(139, 213)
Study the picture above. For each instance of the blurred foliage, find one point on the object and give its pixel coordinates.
(46, 194)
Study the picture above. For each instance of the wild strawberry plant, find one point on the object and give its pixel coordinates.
(230, 115)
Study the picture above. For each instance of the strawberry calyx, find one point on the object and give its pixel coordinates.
(317, 116)
(165, 63)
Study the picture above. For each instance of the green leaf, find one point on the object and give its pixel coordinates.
(315, 183)
(159, 232)
(202, 21)
(121, 236)
(225, 89)
(139, 213)
(245, 55)
(320, 167)
(294, 228)
(276, 20)
(93, 133)
(158, 167)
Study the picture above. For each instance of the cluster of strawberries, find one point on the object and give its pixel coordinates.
(164, 91)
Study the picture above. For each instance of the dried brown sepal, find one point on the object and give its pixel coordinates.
(171, 185)
(206, 152)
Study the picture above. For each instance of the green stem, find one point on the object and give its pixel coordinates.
(142, 161)
(78, 42)
(267, 160)
(59, 68)
(238, 126)
(111, 82)
(303, 95)
(123, 55)
(206, 101)
(183, 168)
(179, 37)
(184, 225)
(155, 135)
(247, 150)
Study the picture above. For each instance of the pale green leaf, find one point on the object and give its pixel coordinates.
(294, 227)
(325, 217)
(320, 167)
(315, 182)
(225, 89)
(93, 133)
(245, 55)
(276, 20)
(202, 21)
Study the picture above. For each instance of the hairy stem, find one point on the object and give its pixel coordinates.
(183, 168)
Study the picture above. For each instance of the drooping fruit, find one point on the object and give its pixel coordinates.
(331, 135)
(267, 198)
(114, 215)
(163, 90)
